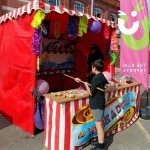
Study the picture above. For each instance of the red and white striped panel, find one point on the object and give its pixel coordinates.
(18, 12)
(47, 9)
(121, 92)
(58, 127)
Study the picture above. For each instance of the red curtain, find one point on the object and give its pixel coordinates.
(17, 72)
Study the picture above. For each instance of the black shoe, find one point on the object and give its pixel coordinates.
(94, 143)
(97, 148)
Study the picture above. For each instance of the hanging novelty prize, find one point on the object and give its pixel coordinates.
(114, 42)
(38, 18)
(37, 41)
(83, 24)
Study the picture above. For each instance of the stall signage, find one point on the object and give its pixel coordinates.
(118, 113)
(83, 126)
(121, 110)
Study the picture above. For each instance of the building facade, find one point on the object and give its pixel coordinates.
(107, 9)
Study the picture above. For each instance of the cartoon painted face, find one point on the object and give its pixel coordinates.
(121, 24)
(137, 36)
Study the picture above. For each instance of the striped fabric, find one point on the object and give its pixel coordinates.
(35, 5)
(58, 126)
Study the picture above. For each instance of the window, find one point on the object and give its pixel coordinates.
(53, 2)
(78, 6)
(113, 17)
(98, 12)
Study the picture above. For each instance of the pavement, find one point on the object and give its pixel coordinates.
(136, 137)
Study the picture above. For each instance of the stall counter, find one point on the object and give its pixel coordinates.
(69, 123)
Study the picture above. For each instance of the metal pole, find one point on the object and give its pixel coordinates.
(92, 5)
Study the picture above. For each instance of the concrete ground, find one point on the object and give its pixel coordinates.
(136, 137)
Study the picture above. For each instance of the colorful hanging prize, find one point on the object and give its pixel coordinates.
(76, 19)
(114, 42)
(113, 58)
(72, 26)
(37, 41)
(56, 29)
(38, 18)
(83, 24)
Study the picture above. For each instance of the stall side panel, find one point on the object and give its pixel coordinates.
(17, 72)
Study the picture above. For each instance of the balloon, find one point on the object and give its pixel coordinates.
(95, 26)
(39, 115)
(107, 75)
(42, 86)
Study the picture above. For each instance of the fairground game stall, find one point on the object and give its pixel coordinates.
(42, 49)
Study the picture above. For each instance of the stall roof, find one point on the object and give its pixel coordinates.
(35, 5)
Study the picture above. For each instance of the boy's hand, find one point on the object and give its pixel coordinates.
(77, 80)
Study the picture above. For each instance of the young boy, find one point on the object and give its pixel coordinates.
(97, 100)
